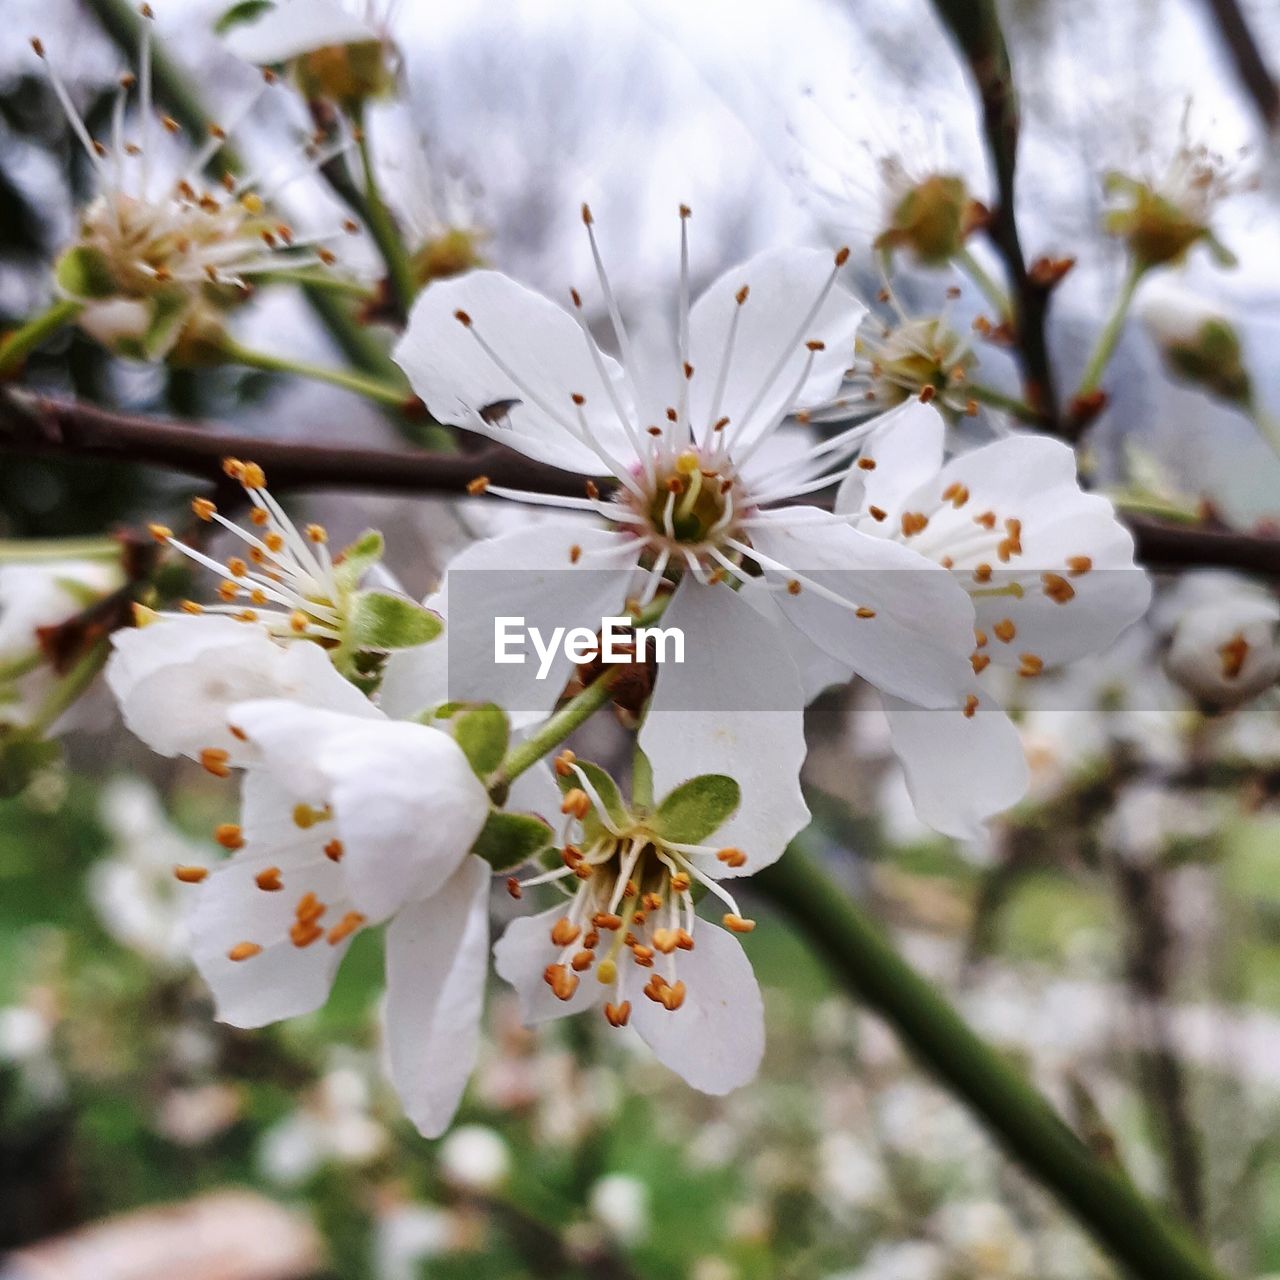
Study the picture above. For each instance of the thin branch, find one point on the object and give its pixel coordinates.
(34, 425)
(1250, 65)
(975, 27)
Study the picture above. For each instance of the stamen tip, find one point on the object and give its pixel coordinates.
(842, 256)
(587, 219)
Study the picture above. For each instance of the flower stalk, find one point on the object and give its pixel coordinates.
(383, 229)
(1108, 339)
(1102, 1201)
(69, 688)
(986, 284)
(375, 389)
(21, 342)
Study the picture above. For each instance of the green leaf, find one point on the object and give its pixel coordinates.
(604, 786)
(380, 620)
(22, 757)
(483, 732)
(85, 274)
(239, 14)
(509, 839)
(356, 560)
(697, 809)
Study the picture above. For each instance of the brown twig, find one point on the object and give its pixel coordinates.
(1250, 66)
(975, 26)
(35, 425)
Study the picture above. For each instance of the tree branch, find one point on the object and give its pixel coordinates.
(42, 426)
(1250, 65)
(975, 27)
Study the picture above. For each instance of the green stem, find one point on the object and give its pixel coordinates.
(1019, 409)
(319, 280)
(1105, 347)
(1103, 1202)
(580, 708)
(993, 293)
(16, 668)
(373, 388)
(1268, 427)
(69, 688)
(1161, 508)
(22, 550)
(382, 227)
(21, 342)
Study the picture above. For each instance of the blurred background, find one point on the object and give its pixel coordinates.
(1119, 932)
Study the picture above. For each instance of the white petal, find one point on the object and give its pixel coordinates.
(539, 342)
(818, 669)
(907, 449)
(1033, 479)
(520, 958)
(529, 574)
(176, 679)
(715, 1040)
(784, 285)
(284, 980)
(734, 706)
(917, 643)
(437, 957)
(295, 27)
(960, 769)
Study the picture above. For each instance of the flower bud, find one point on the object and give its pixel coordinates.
(1197, 341)
(1161, 226)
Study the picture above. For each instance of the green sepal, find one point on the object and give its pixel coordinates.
(22, 757)
(610, 797)
(508, 840)
(169, 312)
(239, 14)
(483, 733)
(383, 621)
(85, 274)
(354, 561)
(696, 809)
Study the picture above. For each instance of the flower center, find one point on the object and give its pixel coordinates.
(690, 508)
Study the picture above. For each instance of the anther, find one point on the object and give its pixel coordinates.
(268, 880)
(970, 706)
(672, 996)
(564, 931)
(914, 522)
(815, 344)
(987, 519)
(863, 612)
(345, 927)
(982, 573)
(618, 1015)
(561, 981)
(793, 587)
(334, 851)
(732, 857)
(160, 532)
(575, 553)
(1057, 588)
(214, 761)
(587, 219)
(867, 464)
(1032, 664)
(244, 951)
(190, 875)
(229, 836)
(577, 802)
(1005, 630)
(980, 662)
(842, 256)
(581, 961)
(191, 606)
(1076, 565)
(564, 763)
(743, 294)
(665, 940)
(606, 920)
(680, 882)
(877, 513)
(927, 393)
(203, 508)
(462, 318)
(738, 924)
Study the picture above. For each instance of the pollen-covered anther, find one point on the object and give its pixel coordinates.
(738, 924)
(651, 901)
(1057, 588)
(575, 553)
(867, 464)
(672, 996)
(914, 522)
(190, 875)
(581, 961)
(203, 509)
(1076, 565)
(562, 981)
(214, 760)
(665, 940)
(1005, 630)
(1011, 545)
(160, 532)
(956, 494)
(1031, 664)
(863, 612)
(982, 573)
(842, 255)
(564, 931)
(576, 802)
(229, 835)
(345, 927)
(742, 295)
(793, 587)
(334, 850)
(815, 344)
(236, 567)
(732, 857)
(618, 1015)
(244, 951)
(654, 988)
(192, 607)
(970, 706)
(275, 541)
(477, 486)
(305, 932)
(980, 662)
(606, 920)
(877, 513)
(252, 476)
(928, 393)
(298, 621)
(268, 880)
(462, 318)
(680, 882)
(684, 940)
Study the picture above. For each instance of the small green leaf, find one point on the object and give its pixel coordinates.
(169, 312)
(85, 273)
(357, 559)
(604, 786)
(697, 809)
(380, 620)
(508, 840)
(482, 732)
(239, 14)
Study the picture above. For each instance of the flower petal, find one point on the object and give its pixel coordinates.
(715, 1040)
(734, 706)
(531, 574)
(295, 27)
(437, 957)
(284, 979)
(176, 679)
(818, 669)
(906, 449)
(539, 343)
(960, 769)
(771, 328)
(520, 958)
(920, 630)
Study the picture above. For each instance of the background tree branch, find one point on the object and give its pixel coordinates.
(1250, 65)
